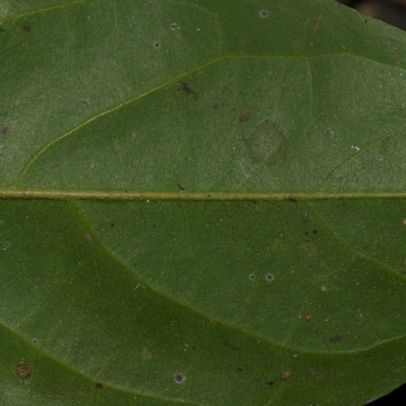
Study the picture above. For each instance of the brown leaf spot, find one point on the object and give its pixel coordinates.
(285, 372)
(316, 22)
(26, 28)
(98, 385)
(266, 144)
(23, 370)
(335, 178)
(244, 113)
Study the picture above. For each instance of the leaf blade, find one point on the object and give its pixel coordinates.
(216, 206)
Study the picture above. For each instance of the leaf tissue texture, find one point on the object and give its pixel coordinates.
(202, 203)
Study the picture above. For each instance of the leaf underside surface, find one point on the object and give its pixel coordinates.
(202, 203)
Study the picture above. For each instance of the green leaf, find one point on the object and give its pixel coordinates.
(203, 203)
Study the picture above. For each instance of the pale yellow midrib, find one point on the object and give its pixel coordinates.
(184, 195)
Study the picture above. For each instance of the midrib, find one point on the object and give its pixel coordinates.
(196, 196)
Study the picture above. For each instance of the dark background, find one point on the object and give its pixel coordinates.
(392, 12)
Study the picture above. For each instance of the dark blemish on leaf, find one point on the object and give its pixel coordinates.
(157, 45)
(244, 113)
(240, 369)
(173, 26)
(34, 340)
(264, 13)
(218, 105)
(266, 145)
(315, 232)
(2, 30)
(184, 88)
(180, 186)
(336, 340)
(291, 199)
(112, 225)
(26, 28)
(98, 385)
(306, 233)
(269, 277)
(179, 377)
(270, 383)
(4, 129)
(252, 277)
(23, 370)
